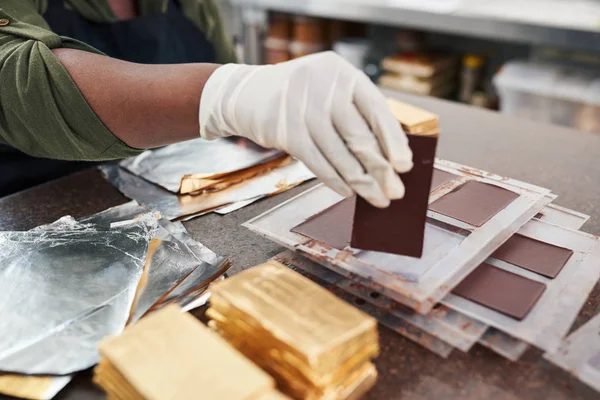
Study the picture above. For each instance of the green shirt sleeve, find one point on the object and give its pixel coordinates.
(42, 112)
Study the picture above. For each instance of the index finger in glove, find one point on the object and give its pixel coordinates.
(372, 105)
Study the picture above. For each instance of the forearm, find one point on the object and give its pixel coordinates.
(145, 106)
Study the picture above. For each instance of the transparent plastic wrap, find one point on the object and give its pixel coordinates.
(64, 289)
(579, 353)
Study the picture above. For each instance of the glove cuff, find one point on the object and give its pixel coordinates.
(210, 98)
(217, 102)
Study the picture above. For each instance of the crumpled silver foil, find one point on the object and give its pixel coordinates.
(172, 206)
(179, 263)
(64, 288)
(67, 285)
(167, 165)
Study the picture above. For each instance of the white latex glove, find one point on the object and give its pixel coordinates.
(319, 109)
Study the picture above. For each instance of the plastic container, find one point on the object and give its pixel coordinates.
(550, 93)
(354, 50)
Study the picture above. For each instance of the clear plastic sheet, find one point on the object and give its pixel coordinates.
(204, 159)
(172, 206)
(564, 295)
(507, 346)
(579, 353)
(462, 331)
(64, 287)
(502, 343)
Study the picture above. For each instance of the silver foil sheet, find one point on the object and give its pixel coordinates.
(178, 265)
(168, 165)
(86, 283)
(64, 288)
(172, 206)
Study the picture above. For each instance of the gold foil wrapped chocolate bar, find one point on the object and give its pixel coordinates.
(315, 345)
(187, 361)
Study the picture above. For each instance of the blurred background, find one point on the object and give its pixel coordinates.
(536, 59)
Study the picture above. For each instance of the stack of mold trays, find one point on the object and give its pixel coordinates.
(502, 266)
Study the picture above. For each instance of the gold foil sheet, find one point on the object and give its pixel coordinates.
(248, 338)
(414, 120)
(197, 160)
(32, 387)
(171, 355)
(317, 346)
(192, 183)
(185, 206)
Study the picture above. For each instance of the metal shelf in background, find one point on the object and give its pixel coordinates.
(572, 24)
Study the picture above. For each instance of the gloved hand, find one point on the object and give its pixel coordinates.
(319, 109)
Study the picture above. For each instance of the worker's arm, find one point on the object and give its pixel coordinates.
(145, 106)
(42, 111)
(59, 99)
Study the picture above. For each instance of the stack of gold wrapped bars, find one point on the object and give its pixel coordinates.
(314, 344)
(172, 355)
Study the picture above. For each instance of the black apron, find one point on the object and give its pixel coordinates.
(168, 38)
